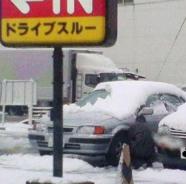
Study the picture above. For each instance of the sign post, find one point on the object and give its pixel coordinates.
(58, 23)
(58, 112)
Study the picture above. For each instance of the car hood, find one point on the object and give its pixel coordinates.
(85, 118)
(176, 120)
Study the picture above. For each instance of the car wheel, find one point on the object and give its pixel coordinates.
(142, 146)
(42, 153)
(114, 152)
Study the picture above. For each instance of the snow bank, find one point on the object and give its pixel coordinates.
(176, 120)
(156, 176)
(24, 168)
(42, 163)
(125, 97)
(19, 128)
(14, 139)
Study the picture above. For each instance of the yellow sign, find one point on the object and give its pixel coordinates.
(81, 30)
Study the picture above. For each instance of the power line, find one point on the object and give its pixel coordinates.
(171, 48)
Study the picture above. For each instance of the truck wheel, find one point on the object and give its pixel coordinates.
(114, 152)
(142, 146)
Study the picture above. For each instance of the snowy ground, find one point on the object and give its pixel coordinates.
(19, 163)
(20, 168)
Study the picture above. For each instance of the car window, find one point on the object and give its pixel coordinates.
(182, 100)
(156, 104)
(171, 102)
(172, 99)
(151, 100)
(93, 97)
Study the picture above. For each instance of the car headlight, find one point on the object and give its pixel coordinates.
(164, 129)
(91, 130)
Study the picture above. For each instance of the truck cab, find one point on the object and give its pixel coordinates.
(88, 68)
(93, 68)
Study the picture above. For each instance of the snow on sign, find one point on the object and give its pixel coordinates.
(58, 22)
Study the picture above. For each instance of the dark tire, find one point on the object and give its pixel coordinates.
(142, 146)
(15, 111)
(114, 152)
(42, 153)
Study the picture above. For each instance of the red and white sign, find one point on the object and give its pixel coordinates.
(51, 22)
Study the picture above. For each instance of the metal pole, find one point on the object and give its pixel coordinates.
(4, 86)
(30, 106)
(58, 112)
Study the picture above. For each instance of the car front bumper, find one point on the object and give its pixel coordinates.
(172, 149)
(83, 146)
(172, 160)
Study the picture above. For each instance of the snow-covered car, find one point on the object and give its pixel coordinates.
(98, 124)
(171, 138)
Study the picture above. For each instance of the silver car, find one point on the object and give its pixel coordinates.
(97, 125)
(171, 139)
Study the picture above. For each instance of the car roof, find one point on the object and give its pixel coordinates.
(127, 96)
(124, 98)
(141, 86)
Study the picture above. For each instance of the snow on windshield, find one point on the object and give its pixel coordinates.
(176, 120)
(125, 97)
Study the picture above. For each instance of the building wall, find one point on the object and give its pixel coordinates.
(146, 40)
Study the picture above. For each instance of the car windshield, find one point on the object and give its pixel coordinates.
(93, 97)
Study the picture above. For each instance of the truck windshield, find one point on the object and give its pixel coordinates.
(104, 77)
(93, 97)
(93, 79)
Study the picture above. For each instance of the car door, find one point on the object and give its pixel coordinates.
(159, 111)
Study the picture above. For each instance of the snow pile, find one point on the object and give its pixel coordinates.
(42, 163)
(16, 128)
(15, 145)
(71, 108)
(156, 176)
(14, 139)
(125, 97)
(176, 120)
(100, 105)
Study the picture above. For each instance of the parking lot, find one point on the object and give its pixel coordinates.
(79, 107)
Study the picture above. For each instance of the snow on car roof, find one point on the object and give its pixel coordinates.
(126, 96)
(176, 120)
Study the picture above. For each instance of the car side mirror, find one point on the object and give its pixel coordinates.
(145, 111)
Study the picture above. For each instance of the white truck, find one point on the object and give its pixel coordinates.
(82, 71)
